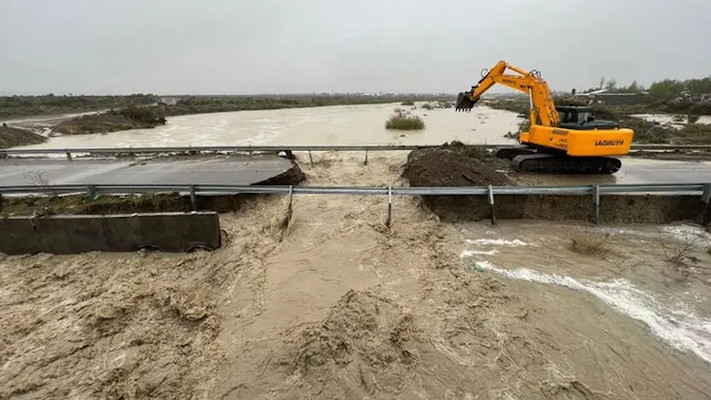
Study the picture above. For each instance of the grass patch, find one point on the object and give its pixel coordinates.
(590, 245)
(403, 120)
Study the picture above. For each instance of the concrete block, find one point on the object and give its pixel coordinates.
(70, 234)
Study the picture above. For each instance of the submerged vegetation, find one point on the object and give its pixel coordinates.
(403, 120)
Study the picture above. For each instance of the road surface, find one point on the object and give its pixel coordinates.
(229, 170)
(246, 170)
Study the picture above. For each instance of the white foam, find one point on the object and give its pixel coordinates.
(498, 242)
(679, 327)
(469, 253)
(695, 235)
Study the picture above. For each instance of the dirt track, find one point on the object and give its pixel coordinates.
(327, 305)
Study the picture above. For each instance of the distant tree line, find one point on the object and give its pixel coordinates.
(665, 90)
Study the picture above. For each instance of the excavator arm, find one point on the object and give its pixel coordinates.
(542, 109)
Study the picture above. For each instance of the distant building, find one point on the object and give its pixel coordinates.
(168, 101)
(615, 98)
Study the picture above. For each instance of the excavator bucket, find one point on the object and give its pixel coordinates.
(464, 101)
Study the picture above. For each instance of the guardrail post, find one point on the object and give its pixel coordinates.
(389, 221)
(366, 157)
(596, 203)
(492, 208)
(311, 159)
(706, 196)
(69, 155)
(291, 198)
(91, 191)
(193, 198)
(705, 200)
(290, 208)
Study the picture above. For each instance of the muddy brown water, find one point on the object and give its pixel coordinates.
(336, 125)
(331, 304)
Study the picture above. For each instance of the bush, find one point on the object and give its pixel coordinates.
(427, 106)
(589, 244)
(407, 103)
(404, 121)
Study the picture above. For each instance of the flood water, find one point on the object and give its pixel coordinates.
(634, 278)
(672, 120)
(333, 125)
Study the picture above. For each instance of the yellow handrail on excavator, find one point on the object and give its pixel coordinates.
(563, 139)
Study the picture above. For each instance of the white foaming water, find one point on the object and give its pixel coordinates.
(679, 327)
(469, 253)
(498, 242)
(690, 234)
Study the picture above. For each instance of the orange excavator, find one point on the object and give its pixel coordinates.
(560, 139)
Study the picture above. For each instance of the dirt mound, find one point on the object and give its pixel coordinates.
(453, 165)
(10, 137)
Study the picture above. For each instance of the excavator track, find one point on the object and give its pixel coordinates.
(561, 164)
(510, 153)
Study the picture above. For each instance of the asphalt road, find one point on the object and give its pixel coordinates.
(245, 170)
(231, 170)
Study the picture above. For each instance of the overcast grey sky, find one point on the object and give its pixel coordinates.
(290, 46)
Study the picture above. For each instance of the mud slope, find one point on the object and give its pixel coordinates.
(10, 137)
(325, 304)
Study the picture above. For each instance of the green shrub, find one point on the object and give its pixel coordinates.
(404, 121)
(145, 114)
(407, 103)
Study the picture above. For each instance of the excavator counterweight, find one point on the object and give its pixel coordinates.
(559, 140)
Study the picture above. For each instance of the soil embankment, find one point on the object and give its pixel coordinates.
(10, 137)
(454, 165)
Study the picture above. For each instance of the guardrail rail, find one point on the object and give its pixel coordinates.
(703, 190)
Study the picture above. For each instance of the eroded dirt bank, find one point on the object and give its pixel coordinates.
(327, 304)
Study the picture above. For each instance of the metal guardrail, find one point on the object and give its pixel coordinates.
(276, 148)
(700, 189)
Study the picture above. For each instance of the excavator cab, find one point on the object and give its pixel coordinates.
(582, 118)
